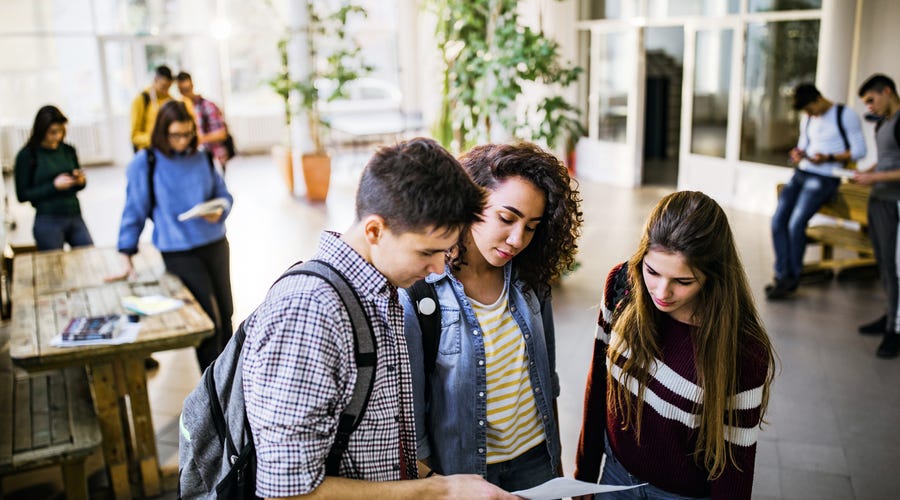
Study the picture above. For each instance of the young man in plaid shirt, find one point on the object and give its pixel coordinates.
(413, 201)
(211, 129)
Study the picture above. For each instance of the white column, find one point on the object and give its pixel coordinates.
(298, 66)
(836, 40)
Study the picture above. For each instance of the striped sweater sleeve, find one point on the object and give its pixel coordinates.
(591, 441)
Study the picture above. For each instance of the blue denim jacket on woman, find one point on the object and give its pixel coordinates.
(451, 428)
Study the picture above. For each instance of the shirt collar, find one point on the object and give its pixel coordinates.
(364, 276)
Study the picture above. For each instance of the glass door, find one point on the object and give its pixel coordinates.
(613, 96)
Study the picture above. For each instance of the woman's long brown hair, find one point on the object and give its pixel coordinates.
(728, 326)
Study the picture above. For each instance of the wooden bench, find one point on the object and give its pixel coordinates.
(46, 418)
(849, 204)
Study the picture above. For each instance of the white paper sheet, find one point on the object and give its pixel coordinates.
(564, 487)
(128, 333)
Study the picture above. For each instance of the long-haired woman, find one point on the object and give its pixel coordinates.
(196, 249)
(488, 406)
(48, 175)
(682, 364)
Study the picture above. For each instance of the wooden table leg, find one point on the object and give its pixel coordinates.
(106, 402)
(145, 437)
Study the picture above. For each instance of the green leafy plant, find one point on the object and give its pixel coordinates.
(334, 58)
(488, 57)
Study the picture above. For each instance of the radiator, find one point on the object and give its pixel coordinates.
(90, 139)
(256, 134)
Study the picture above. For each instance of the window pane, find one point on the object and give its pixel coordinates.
(712, 79)
(666, 8)
(612, 72)
(45, 16)
(151, 17)
(778, 57)
(608, 9)
(771, 5)
(50, 70)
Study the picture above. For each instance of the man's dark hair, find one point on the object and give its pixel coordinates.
(877, 82)
(804, 94)
(163, 72)
(183, 76)
(172, 111)
(46, 116)
(415, 185)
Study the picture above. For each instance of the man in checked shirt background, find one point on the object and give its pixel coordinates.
(413, 200)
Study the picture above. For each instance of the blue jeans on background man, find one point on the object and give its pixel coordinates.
(51, 232)
(800, 199)
(615, 474)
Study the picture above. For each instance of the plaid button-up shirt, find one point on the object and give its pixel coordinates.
(209, 119)
(299, 372)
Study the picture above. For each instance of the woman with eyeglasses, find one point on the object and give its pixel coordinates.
(164, 181)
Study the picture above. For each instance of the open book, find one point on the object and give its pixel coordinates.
(205, 208)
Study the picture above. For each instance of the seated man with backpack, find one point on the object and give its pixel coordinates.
(830, 137)
(323, 377)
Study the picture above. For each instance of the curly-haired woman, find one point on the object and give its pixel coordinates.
(488, 406)
(682, 364)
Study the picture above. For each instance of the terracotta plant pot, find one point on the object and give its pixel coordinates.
(317, 174)
(284, 159)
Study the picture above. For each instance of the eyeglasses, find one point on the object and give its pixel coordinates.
(181, 135)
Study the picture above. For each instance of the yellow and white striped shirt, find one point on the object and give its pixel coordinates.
(514, 425)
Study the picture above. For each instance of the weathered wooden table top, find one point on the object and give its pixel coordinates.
(50, 288)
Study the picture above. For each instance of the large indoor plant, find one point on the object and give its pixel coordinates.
(488, 57)
(334, 60)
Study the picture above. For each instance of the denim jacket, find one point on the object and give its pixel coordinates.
(451, 427)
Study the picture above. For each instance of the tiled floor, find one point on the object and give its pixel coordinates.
(834, 428)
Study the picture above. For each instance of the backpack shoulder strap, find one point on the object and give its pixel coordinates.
(151, 170)
(146, 97)
(897, 132)
(428, 311)
(32, 172)
(364, 346)
(218, 414)
(840, 124)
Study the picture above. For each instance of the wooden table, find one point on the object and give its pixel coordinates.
(49, 288)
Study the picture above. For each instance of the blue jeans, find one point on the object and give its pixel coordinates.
(528, 470)
(800, 199)
(51, 232)
(614, 474)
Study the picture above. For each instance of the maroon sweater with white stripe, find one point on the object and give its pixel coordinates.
(670, 416)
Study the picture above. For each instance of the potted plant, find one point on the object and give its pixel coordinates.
(334, 61)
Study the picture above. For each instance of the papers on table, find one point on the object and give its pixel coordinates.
(125, 333)
(563, 487)
(151, 304)
(205, 208)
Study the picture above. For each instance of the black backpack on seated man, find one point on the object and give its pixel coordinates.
(216, 454)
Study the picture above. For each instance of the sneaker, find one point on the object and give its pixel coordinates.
(781, 288)
(890, 346)
(876, 327)
(150, 363)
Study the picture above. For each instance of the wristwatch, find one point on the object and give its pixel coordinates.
(831, 157)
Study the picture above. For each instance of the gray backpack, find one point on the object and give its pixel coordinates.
(216, 454)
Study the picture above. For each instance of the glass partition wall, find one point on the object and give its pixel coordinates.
(742, 58)
(92, 57)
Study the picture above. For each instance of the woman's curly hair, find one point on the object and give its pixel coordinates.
(552, 249)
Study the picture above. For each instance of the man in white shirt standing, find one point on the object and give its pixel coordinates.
(830, 137)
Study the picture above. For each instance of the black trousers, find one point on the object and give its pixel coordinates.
(884, 217)
(206, 272)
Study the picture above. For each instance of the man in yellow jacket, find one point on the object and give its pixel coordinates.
(146, 105)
